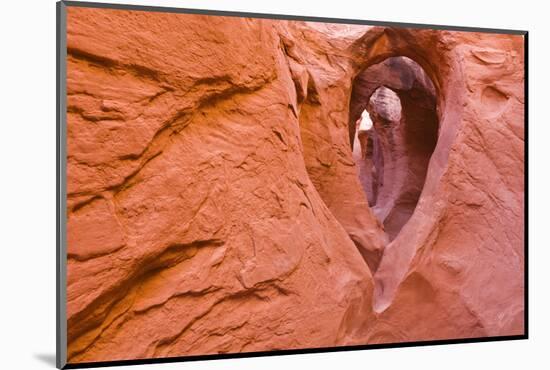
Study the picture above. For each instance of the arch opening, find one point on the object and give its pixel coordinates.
(393, 132)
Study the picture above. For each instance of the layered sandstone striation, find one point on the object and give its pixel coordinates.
(214, 204)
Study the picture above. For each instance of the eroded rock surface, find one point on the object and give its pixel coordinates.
(214, 204)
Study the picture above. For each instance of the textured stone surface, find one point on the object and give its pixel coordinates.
(214, 204)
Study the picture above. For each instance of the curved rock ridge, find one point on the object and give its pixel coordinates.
(214, 203)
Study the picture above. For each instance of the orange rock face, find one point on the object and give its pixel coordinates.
(215, 206)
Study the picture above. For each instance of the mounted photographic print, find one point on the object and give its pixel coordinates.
(237, 184)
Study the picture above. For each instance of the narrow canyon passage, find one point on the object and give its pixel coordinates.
(393, 127)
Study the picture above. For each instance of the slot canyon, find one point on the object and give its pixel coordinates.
(240, 184)
(392, 153)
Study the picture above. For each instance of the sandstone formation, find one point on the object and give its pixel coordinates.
(402, 102)
(215, 203)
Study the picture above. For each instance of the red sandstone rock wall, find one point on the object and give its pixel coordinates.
(214, 205)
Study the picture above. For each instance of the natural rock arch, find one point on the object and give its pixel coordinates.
(323, 101)
(460, 65)
(373, 48)
(419, 264)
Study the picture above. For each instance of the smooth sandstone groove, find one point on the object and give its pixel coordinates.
(214, 204)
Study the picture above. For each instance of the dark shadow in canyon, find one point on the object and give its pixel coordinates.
(393, 130)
